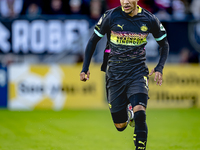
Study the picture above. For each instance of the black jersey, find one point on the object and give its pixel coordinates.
(127, 38)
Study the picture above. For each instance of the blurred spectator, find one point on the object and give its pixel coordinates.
(31, 7)
(56, 7)
(97, 8)
(75, 7)
(163, 9)
(187, 56)
(184, 55)
(195, 8)
(78, 7)
(10, 8)
(179, 9)
(147, 4)
(113, 3)
(163, 5)
(33, 10)
(52, 7)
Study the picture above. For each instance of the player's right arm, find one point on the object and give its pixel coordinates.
(100, 30)
(90, 48)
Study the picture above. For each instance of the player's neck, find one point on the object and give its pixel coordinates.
(134, 12)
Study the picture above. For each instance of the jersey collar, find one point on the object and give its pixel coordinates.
(139, 9)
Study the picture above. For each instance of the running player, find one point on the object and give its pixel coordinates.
(127, 28)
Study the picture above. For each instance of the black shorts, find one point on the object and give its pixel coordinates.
(119, 92)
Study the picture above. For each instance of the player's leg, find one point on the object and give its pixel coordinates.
(120, 119)
(123, 117)
(117, 101)
(118, 107)
(139, 102)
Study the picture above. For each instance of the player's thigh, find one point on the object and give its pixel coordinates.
(140, 85)
(117, 101)
(116, 95)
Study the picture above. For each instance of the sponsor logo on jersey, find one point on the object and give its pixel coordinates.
(128, 38)
(121, 26)
(144, 28)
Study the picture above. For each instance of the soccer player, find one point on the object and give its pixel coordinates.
(127, 28)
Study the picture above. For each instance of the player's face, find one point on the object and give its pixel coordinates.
(129, 6)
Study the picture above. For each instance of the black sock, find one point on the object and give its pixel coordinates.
(140, 134)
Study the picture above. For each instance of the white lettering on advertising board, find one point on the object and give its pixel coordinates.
(53, 36)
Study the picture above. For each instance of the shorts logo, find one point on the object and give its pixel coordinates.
(144, 28)
(146, 81)
(140, 103)
(120, 26)
(110, 106)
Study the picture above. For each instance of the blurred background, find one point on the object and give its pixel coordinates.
(42, 45)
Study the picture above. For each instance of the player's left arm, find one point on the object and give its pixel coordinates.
(160, 36)
(158, 70)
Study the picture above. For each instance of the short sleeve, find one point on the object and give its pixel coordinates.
(157, 29)
(102, 26)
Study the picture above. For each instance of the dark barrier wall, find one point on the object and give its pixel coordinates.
(183, 35)
(3, 86)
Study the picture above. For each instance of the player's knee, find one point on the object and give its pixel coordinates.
(140, 116)
(120, 126)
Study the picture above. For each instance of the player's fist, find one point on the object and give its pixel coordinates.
(84, 77)
(158, 77)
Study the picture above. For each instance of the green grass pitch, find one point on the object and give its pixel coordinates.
(169, 129)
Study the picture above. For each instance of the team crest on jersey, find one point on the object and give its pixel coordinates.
(162, 28)
(144, 28)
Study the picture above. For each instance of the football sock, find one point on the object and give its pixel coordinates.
(140, 133)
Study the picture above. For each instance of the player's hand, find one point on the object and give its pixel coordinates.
(158, 77)
(84, 77)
